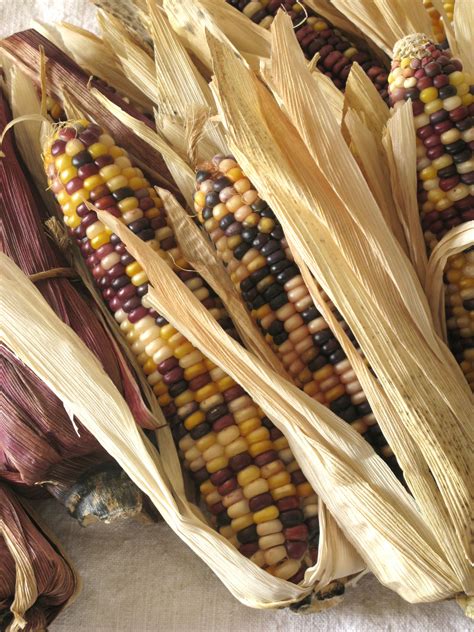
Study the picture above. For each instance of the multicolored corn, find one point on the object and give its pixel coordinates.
(255, 491)
(317, 35)
(443, 107)
(250, 241)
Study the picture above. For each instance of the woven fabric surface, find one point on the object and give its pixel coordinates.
(142, 578)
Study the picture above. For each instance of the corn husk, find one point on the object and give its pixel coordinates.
(385, 21)
(36, 581)
(41, 448)
(105, 413)
(400, 321)
(67, 81)
(463, 28)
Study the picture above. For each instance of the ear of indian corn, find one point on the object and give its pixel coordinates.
(443, 107)
(254, 489)
(250, 241)
(317, 35)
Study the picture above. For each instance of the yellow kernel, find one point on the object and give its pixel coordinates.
(234, 174)
(100, 240)
(264, 515)
(247, 475)
(184, 398)
(429, 94)
(242, 522)
(433, 106)
(164, 400)
(97, 149)
(266, 225)
(219, 463)
(92, 182)
(206, 442)
(117, 182)
(116, 152)
(260, 434)
(194, 371)
(68, 174)
(194, 420)
(435, 195)
(224, 383)
(256, 263)
(304, 490)
(456, 78)
(204, 392)
(73, 147)
(149, 367)
(283, 491)
(249, 425)
(279, 479)
(324, 373)
(207, 487)
(183, 350)
(63, 162)
(335, 393)
(428, 173)
(139, 183)
(133, 268)
(139, 279)
(160, 388)
(281, 443)
(109, 171)
(260, 447)
(443, 161)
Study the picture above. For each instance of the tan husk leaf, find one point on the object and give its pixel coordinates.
(191, 20)
(29, 327)
(463, 29)
(455, 241)
(386, 21)
(399, 141)
(180, 87)
(137, 63)
(358, 488)
(98, 58)
(365, 116)
(26, 589)
(366, 276)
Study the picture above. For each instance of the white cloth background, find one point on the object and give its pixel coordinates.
(142, 578)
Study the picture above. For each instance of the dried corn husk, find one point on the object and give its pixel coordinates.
(463, 29)
(95, 400)
(36, 581)
(67, 81)
(400, 320)
(40, 445)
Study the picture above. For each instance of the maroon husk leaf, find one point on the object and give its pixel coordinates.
(55, 579)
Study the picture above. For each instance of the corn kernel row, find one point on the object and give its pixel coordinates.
(441, 93)
(437, 20)
(254, 489)
(250, 241)
(317, 35)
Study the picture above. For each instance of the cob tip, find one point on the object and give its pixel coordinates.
(413, 45)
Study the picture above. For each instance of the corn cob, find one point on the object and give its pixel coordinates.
(248, 477)
(250, 242)
(317, 35)
(443, 105)
(437, 20)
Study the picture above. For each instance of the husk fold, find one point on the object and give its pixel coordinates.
(36, 581)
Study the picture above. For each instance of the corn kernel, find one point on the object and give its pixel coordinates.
(264, 515)
(194, 420)
(97, 149)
